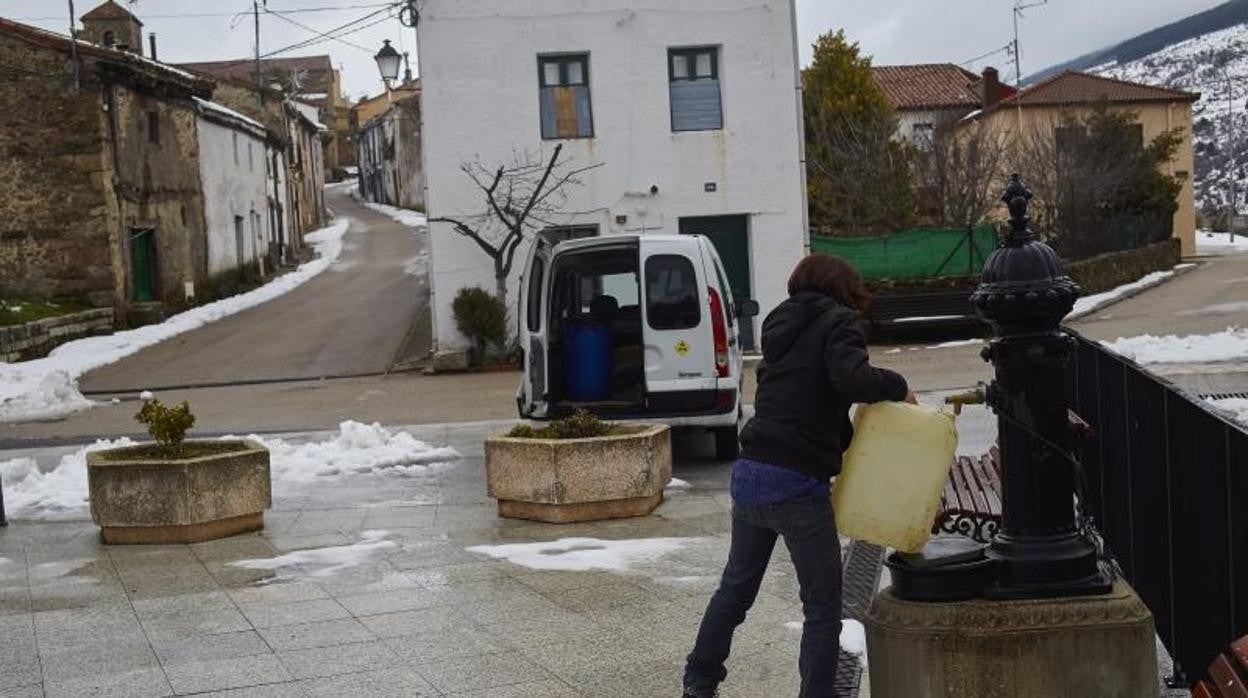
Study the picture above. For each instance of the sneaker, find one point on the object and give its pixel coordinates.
(703, 693)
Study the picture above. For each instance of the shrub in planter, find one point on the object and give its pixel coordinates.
(579, 469)
(177, 491)
(482, 318)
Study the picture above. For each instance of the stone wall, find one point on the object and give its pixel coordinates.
(54, 232)
(1104, 272)
(35, 339)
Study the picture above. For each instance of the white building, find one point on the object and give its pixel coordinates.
(693, 109)
(234, 170)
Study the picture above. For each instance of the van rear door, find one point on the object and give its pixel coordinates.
(531, 315)
(679, 348)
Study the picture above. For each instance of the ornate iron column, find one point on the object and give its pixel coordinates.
(1041, 549)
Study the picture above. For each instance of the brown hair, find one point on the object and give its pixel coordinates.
(831, 276)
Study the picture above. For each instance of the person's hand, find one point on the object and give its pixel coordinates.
(911, 398)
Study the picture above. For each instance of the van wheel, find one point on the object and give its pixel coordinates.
(727, 443)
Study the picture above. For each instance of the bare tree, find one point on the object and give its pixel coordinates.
(523, 196)
(861, 180)
(959, 171)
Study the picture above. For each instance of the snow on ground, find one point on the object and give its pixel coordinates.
(1235, 408)
(1230, 345)
(582, 554)
(325, 562)
(853, 637)
(356, 449)
(48, 388)
(677, 484)
(1090, 304)
(1209, 242)
(406, 216)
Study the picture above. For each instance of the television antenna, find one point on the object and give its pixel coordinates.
(1019, 6)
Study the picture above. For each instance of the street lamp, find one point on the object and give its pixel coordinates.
(388, 62)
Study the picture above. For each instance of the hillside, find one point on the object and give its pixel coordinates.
(1213, 64)
(1215, 19)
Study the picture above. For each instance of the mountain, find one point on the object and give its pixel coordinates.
(1223, 16)
(1205, 53)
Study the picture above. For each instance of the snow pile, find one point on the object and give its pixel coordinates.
(582, 554)
(853, 637)
(418, 265)
(325, 562)
(1236, 408)
(356, 449)
(677, 484)
(1208, 241)
(1230, 345)
(48, 388)
(1089, 304)
(56, 494)
(406, 216)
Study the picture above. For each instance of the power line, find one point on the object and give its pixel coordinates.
(284, 18)
(204, 15)
(1004, 49)
(337, 32)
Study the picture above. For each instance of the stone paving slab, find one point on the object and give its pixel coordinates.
(424, 617)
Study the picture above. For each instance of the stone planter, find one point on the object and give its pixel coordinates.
(563, 481)
(137, 500)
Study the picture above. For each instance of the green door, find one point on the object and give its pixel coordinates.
(142, 265)
(730, 236)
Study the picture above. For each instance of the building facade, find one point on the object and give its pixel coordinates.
(391, 169)
(935, 95)
(233, 162)
(692, 112)
(1038, 111)
(101, 200)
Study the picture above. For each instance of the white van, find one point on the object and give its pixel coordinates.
(632, 327)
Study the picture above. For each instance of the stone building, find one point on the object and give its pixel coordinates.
(306, 165)
(309, 79)
(391, 166)
(100, 196)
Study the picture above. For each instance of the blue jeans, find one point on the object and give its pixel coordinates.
(810, 534)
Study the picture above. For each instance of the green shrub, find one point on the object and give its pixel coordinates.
(523, 431)
(167, 425)
(482, 318)
(581, 425)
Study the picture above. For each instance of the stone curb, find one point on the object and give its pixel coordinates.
(1179, 271)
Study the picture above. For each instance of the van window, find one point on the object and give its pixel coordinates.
(535, 294)
(672, 293)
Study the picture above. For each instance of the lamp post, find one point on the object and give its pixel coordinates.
(1041, 550)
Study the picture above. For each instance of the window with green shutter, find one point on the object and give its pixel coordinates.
(693, 74)
(564, 94)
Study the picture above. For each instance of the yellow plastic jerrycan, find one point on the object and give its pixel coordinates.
(893, 474)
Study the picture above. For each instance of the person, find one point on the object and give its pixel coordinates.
(814, 366)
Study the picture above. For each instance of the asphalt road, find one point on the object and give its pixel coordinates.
(350, 320)
(1204, 300)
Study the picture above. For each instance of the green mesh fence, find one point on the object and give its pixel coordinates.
(912, 254)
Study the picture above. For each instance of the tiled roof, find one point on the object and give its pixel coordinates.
(243, 68)
(110, 10)
(929, 86)
(1072, 87)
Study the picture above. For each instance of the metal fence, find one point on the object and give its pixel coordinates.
(1167, 482)
(914, 254)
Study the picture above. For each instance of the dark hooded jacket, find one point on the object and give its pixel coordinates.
(814, 367)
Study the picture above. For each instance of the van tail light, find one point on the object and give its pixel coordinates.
(719, 328)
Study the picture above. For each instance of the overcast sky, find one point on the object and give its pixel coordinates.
(892, 31)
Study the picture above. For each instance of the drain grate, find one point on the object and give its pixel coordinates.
(1224, 396)
(861, 577)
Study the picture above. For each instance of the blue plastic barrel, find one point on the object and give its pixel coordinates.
(588, 362)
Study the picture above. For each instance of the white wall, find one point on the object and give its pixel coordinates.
(478, 61)
(232, 189)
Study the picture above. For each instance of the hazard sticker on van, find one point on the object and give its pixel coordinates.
(682, 348)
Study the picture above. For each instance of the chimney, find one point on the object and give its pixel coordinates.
(991, 87)
(151, 39)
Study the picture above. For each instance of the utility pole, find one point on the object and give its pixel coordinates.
(255, 11)
(73, 47)
(1019, 6)
(1230, 147)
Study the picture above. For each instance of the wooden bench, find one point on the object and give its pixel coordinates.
(891, 311)
(1228, 674)
(971, 502)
